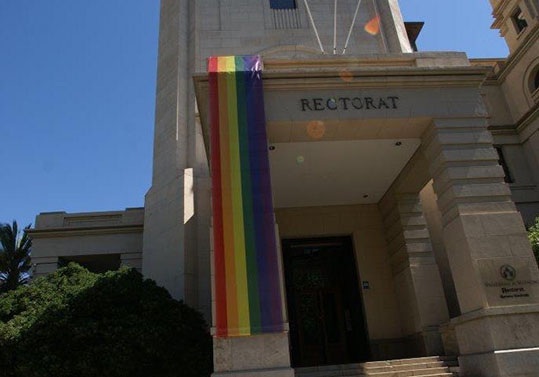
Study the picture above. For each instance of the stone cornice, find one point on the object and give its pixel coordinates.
(513, 59)
(497, 13)
(368, 77)
(503, 130)
(519, 126)
(84, 231)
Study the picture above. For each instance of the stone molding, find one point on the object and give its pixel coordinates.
(515, 57)
(493, 312)
(83, 231)
(367, 78)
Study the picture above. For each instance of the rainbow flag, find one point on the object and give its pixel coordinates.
(247, 287)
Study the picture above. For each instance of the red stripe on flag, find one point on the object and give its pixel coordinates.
(218, 240)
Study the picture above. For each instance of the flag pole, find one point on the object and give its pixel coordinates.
(351, 27)
(314, 26)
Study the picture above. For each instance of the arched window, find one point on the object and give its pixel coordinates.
(536, 80)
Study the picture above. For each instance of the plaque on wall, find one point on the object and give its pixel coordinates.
(509, 281)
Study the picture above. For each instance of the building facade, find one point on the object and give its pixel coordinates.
(402, 182)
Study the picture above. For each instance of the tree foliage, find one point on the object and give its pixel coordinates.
(533, 234)
(77, 323)
(14, 256)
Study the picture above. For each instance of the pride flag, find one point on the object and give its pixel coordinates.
(247, 287)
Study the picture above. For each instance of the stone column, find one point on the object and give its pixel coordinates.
(416, 276)
(495, 274)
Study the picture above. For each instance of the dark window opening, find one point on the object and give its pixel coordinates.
(283, 4)
(503, 164)
(94, 263)
(519, 20)
(536, 82)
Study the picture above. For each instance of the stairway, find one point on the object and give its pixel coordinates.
(434, 366)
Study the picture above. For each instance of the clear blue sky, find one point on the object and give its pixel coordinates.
(77, 88)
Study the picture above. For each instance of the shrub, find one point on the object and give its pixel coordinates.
(533, 234)
(77, 323)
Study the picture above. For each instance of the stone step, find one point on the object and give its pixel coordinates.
(396, 367)
(432, 366)
(441, 374)
(415, 360)
(408, 373)
(443, 371)
(348, 373)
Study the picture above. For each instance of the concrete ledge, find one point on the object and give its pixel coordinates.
(491, 312)
(522, 362)
(495, 333)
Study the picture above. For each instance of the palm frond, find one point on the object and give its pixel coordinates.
(15, 250)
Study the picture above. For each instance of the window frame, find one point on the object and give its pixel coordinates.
(519, 22)
(294, 4)
(508, 178)
(531, 82)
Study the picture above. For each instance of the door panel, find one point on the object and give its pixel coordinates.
(324, 302)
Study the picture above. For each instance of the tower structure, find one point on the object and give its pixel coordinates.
(177, 211)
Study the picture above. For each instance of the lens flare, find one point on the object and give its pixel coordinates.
(300, 160)
(316, 129)
(373, 26)
(346, 75)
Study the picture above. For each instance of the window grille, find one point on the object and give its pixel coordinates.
(285, 14)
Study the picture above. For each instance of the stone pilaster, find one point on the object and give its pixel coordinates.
(495, 274)
(394, 30)
(416, 276)
(42, 266)
(169, 241)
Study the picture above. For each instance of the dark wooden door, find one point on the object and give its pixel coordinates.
(324, 304)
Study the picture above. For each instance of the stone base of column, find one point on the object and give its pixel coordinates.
(432, 341)
(425, 343)
(499, 342)
(449, 339)
(258, 355)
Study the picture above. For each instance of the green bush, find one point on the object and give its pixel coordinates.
(77, 323)
(533, 234)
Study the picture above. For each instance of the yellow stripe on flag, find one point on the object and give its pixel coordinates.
(237, 201)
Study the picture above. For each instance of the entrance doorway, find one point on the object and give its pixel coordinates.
(325, 307)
